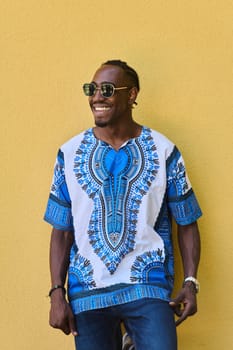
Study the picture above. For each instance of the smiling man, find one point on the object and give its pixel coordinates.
(115, 189)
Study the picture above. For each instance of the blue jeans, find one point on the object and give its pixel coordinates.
(149, 322)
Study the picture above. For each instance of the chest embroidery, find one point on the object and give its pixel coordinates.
(116, 181)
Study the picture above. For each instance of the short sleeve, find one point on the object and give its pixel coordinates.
(58, 210)
(182, 201)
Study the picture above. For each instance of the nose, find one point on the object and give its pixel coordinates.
(97, 96)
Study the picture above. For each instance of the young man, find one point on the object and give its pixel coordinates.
(116, 187)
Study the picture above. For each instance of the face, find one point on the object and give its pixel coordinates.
(116, 109)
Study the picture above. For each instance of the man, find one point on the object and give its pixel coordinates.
(115, 188)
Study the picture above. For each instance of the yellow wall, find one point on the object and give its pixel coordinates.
(182, 51)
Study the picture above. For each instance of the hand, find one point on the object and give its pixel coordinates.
(61, 315)
(185, 304)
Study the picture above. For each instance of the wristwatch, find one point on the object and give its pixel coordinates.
(194, 281)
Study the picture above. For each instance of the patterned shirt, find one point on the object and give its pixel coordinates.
(120, 205)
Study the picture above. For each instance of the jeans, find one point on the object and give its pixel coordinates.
(149, 322)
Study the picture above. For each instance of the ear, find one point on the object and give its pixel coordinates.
(133, 93)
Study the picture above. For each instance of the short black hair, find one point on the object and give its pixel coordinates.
(132, 74)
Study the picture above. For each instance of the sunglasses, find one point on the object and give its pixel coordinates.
(106, 89)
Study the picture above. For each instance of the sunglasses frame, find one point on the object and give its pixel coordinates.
(96, 88)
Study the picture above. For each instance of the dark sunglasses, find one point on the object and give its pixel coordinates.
(106, 89)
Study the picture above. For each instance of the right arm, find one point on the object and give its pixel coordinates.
(61, 315)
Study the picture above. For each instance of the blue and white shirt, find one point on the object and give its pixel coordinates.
(120, 205)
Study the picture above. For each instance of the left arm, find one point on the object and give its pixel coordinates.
(189, 245)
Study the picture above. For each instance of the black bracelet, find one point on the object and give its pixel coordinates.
(57, 286)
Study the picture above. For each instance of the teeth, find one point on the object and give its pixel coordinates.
(102, 108)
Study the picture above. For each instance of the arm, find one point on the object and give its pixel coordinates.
(189, 244)
(61, 315)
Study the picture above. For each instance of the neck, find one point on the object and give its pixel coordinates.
(116, 136)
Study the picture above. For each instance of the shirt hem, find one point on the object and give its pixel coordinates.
(121, 296)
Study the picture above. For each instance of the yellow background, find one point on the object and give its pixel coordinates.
(182, 51)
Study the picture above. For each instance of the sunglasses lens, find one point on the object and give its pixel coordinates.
(89, 89)
(107, 90)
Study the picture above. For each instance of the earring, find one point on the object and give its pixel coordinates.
(132, 103)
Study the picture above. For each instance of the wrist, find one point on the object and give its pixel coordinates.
(56, 288)
(193, 282)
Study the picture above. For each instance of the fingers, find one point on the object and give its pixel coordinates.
(72, 324)
(183, 309)
(176, 307)
(188, 310)
(179, 311)
(62, 318)
(61, 324)
(180, 320)
(182, 317)
(66, 327)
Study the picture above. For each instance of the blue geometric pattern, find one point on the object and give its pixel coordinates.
(80, 278)
(176, 175)
(149, 268)
(116, 181)
(143, 181)
(180, 197)
(59, 186)
(58, 211)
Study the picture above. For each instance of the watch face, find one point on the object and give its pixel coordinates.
(194, 281)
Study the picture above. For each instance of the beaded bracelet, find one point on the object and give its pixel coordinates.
(57, 286)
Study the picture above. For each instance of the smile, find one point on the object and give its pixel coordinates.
(101, 108)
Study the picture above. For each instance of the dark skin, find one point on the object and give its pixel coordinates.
(185, 303)
(115, 125)
(61, 315)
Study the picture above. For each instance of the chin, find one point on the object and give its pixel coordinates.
(101, 124)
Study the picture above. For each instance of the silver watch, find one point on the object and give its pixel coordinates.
(194, 281)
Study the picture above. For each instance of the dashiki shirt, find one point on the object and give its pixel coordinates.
(120, 205)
